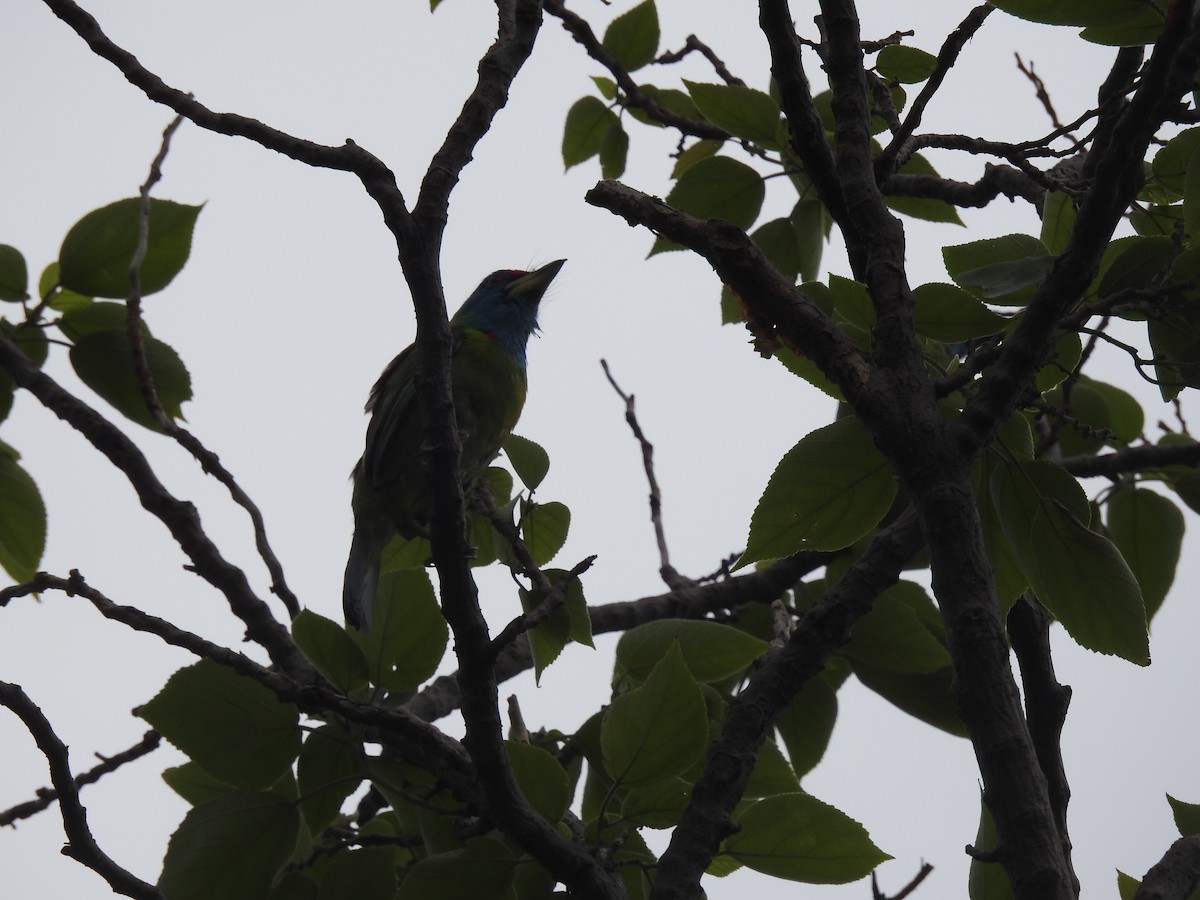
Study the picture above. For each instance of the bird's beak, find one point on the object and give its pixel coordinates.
(531, 286)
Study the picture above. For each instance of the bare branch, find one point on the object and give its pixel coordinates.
(1046, 704)
(922, 874)
(442, 695)
(178, 516)
(673, 579)
(1133, 459)
(1176, 875)
(694, 43)
(208, 460)
(81, 846)
(947, 56)
(45, 796)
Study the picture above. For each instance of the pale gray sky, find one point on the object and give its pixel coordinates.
(292, 303)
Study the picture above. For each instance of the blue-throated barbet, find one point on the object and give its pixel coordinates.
(487, 377)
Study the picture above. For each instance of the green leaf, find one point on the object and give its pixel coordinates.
(529, 460)
(1187, 816)
(96, 254)
(22, 518)
(1009, 579)
(1058, 220)
(923, 696)
(780, 244)
(1125, 417)
(811, 222)
(657, 805)
(541, 777)
(1174, 334)
(740, 110)
(1020, 487)
(14, 275)
(331, 650)
(1171, 163)
(1004, 270)
(700, 150)
(1148, 530)
(95, 317)
(366, 873)
(907, 65)
(1083, 580)
(104, 362)
(482, 870)
(806, 724)
(570, 622)
(656, 731)
(32, 342)
(588, 121)
(544, 528)
(852, 306)
(195, 785)
(1138, 264)
(632, 37)
(712, 651)
(987, 880)
(1155, 220)
(330, 768)
(797, 837)
(771, 774)
(1191, 196)
(234, 728)
(828, 491)
(717, 188)
(408, 635)
(945, 312)
(614, 151)
(893, 635)
(606, 86)
(232, 847)
(1063, 360)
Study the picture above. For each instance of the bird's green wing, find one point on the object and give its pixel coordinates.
(394, 432)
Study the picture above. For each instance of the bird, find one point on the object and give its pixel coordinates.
(488, 382)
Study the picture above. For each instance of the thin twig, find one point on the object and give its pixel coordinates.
(669, 574)
(1043, 95)
(150, 742)
(694, 43)
(905, 891)
(209, 461)
(180, 517)
(81, 844)
(133, 303)
(581, 31)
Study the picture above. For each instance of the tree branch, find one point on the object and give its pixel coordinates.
(1133, 459)
(776, 305)
(885, 163)
(581, 31)
(1176, 875)
(752, 713)
(81, 846)
(45, 796)
(442, 696)
(668, 572)
(1046, 704)
(178, 516)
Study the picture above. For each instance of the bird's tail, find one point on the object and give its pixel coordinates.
(362, 577)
